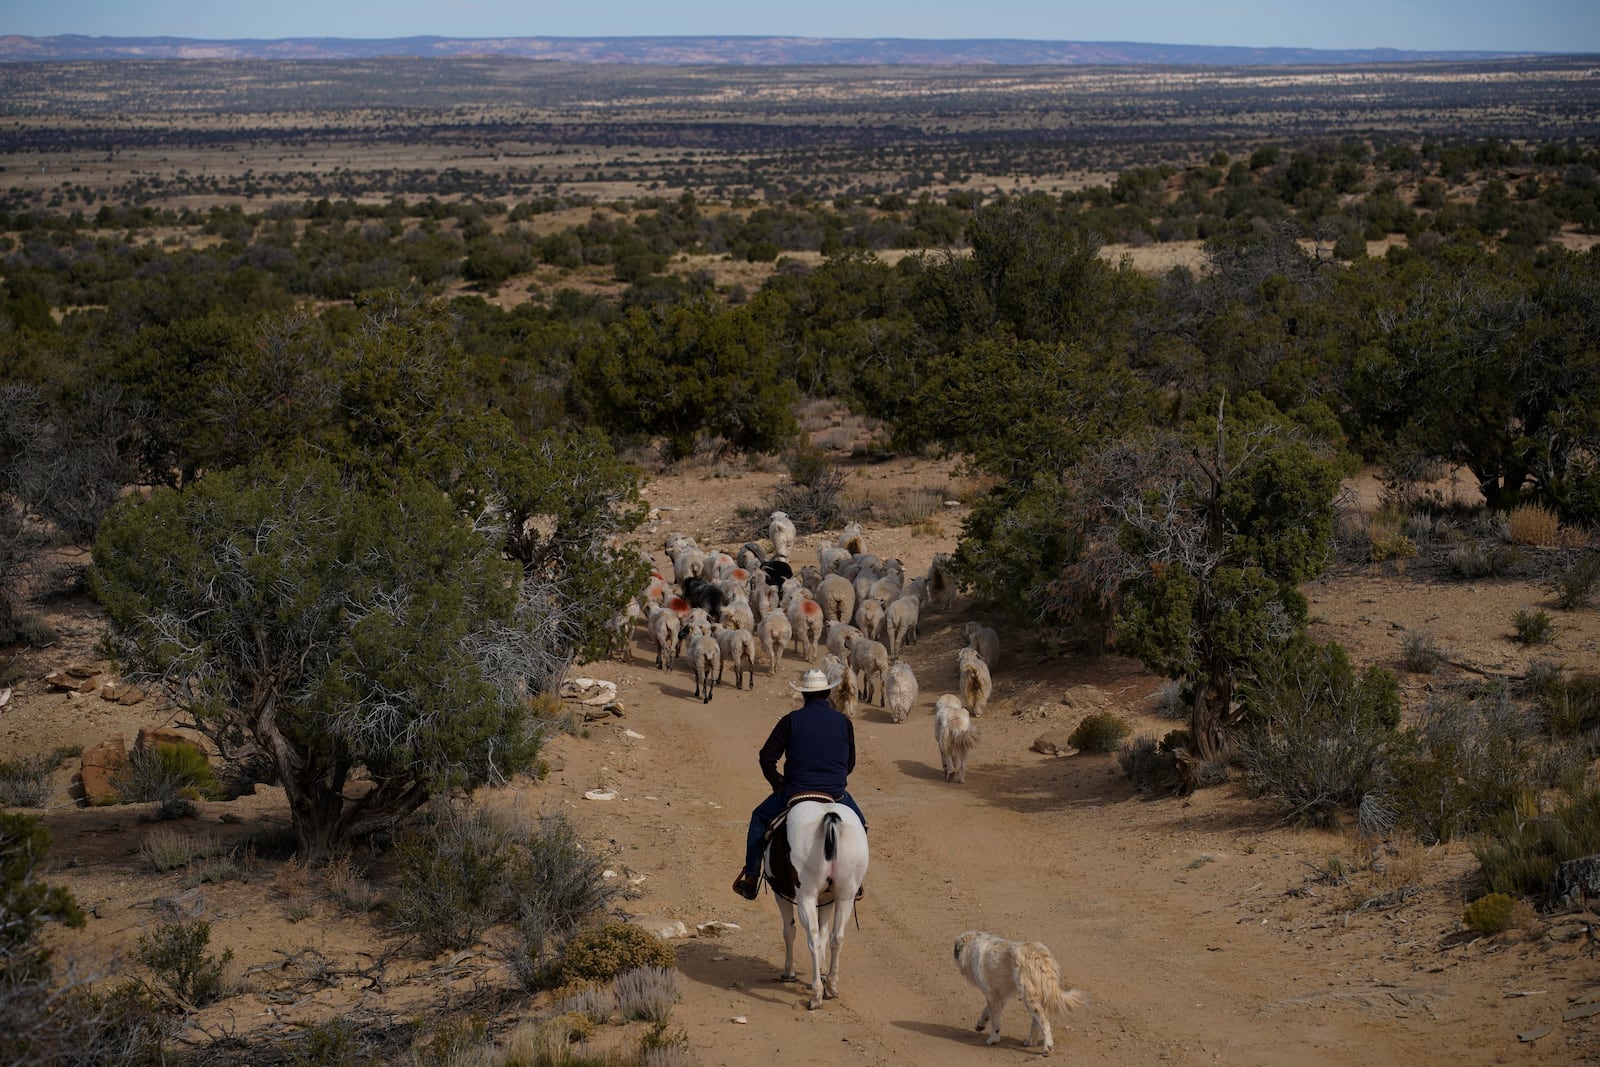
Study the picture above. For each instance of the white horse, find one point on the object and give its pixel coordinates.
(826, 864)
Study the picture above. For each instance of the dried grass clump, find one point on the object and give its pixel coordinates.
(25, 781)
(647, 993)
(1574, 586)
(1420, 652)
(1533, 524)
(167, 849)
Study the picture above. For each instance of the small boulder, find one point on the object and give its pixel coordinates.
(99, 766)
(661, 926)
(150, 736)
(1085, 697)
(1054, 743)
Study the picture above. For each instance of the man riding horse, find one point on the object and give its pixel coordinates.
(817, 744)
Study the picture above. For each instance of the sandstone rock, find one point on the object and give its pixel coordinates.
(1054, 743)
(130, 696)
(100, 764)
(661, 926)
(83, 670)
(1085, 696)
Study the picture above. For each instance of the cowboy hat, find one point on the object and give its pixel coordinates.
(812, 681)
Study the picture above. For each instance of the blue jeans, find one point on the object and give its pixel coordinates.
(762, 817)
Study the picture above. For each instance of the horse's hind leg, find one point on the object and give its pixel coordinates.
(841, 916)
(786, 914)
(808, 915)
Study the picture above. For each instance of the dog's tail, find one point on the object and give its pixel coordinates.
(1063, 999)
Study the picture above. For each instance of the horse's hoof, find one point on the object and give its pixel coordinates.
(787, 978)
(814, 1005)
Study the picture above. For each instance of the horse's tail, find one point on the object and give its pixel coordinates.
(830, 836)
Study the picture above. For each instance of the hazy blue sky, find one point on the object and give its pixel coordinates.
(1512, 25)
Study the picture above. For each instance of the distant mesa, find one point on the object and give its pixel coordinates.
(721, 51)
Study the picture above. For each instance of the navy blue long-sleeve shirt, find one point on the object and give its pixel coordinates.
(817, 744)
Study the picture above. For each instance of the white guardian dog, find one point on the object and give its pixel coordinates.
(1004, 969)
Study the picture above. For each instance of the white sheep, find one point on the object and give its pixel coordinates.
(975, 684)
(739, 616)
(705, 660)
(870, 661)
(956, 735)
(886, 589)
(902, 690)
(830, 558)
(664, 627)
(781, 530)
(619, 631)
(987, 643)
(687, 562)
(773, 632)
(751, 556)
(806, 624)
(838, 636)
(917, 587)
(900, 623)
(837, 597)
(852, 540)
(737, 648)
(869, 617)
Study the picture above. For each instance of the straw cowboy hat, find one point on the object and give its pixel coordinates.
(812, 681)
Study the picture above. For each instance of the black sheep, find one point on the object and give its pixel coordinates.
(704, 595)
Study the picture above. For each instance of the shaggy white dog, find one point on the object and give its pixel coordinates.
(1003, 969)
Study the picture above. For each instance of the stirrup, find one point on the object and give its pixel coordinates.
(747, 886)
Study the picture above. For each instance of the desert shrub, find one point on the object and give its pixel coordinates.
(1100, 731)
(25, 781)
(1149, 768)
(1463, 764)
(451, 878)
(167, 850)
(347, 883)
(1490, 914)
(1520, 854)
(817, 505)
(603, 953)
(456, 1043)
(1532, 627)
(123, 1025)
(547, 711)
(334, 1043)
(913, 506)
(1478, 559)
(1420, 652)
(806, 463)
(647, 993)
(176, 953)
(1319, 732)
(463, 871)
(1568, 701)
(660, 1047)
(1533, 524)
(165, 772)
(1385, 541)
(1574, 585)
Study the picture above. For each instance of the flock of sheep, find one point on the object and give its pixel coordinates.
(721, 611)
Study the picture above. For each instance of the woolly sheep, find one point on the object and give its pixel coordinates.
(838, 637)
(886, 589)
(751, 556)
(806, 626)
(956, 735)
(975, 684)
(773, 632)
(781, 530)
(838, 599)
(900, 623)
(705, 660)
(869, 617)
(739, 616)
(987, 643)
(902, 689)
(852, 540)
(830, 558)
(738, 649)
(870, 661)
(664, 626)
(688, 562)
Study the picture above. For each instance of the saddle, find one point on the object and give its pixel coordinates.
(779, 869)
